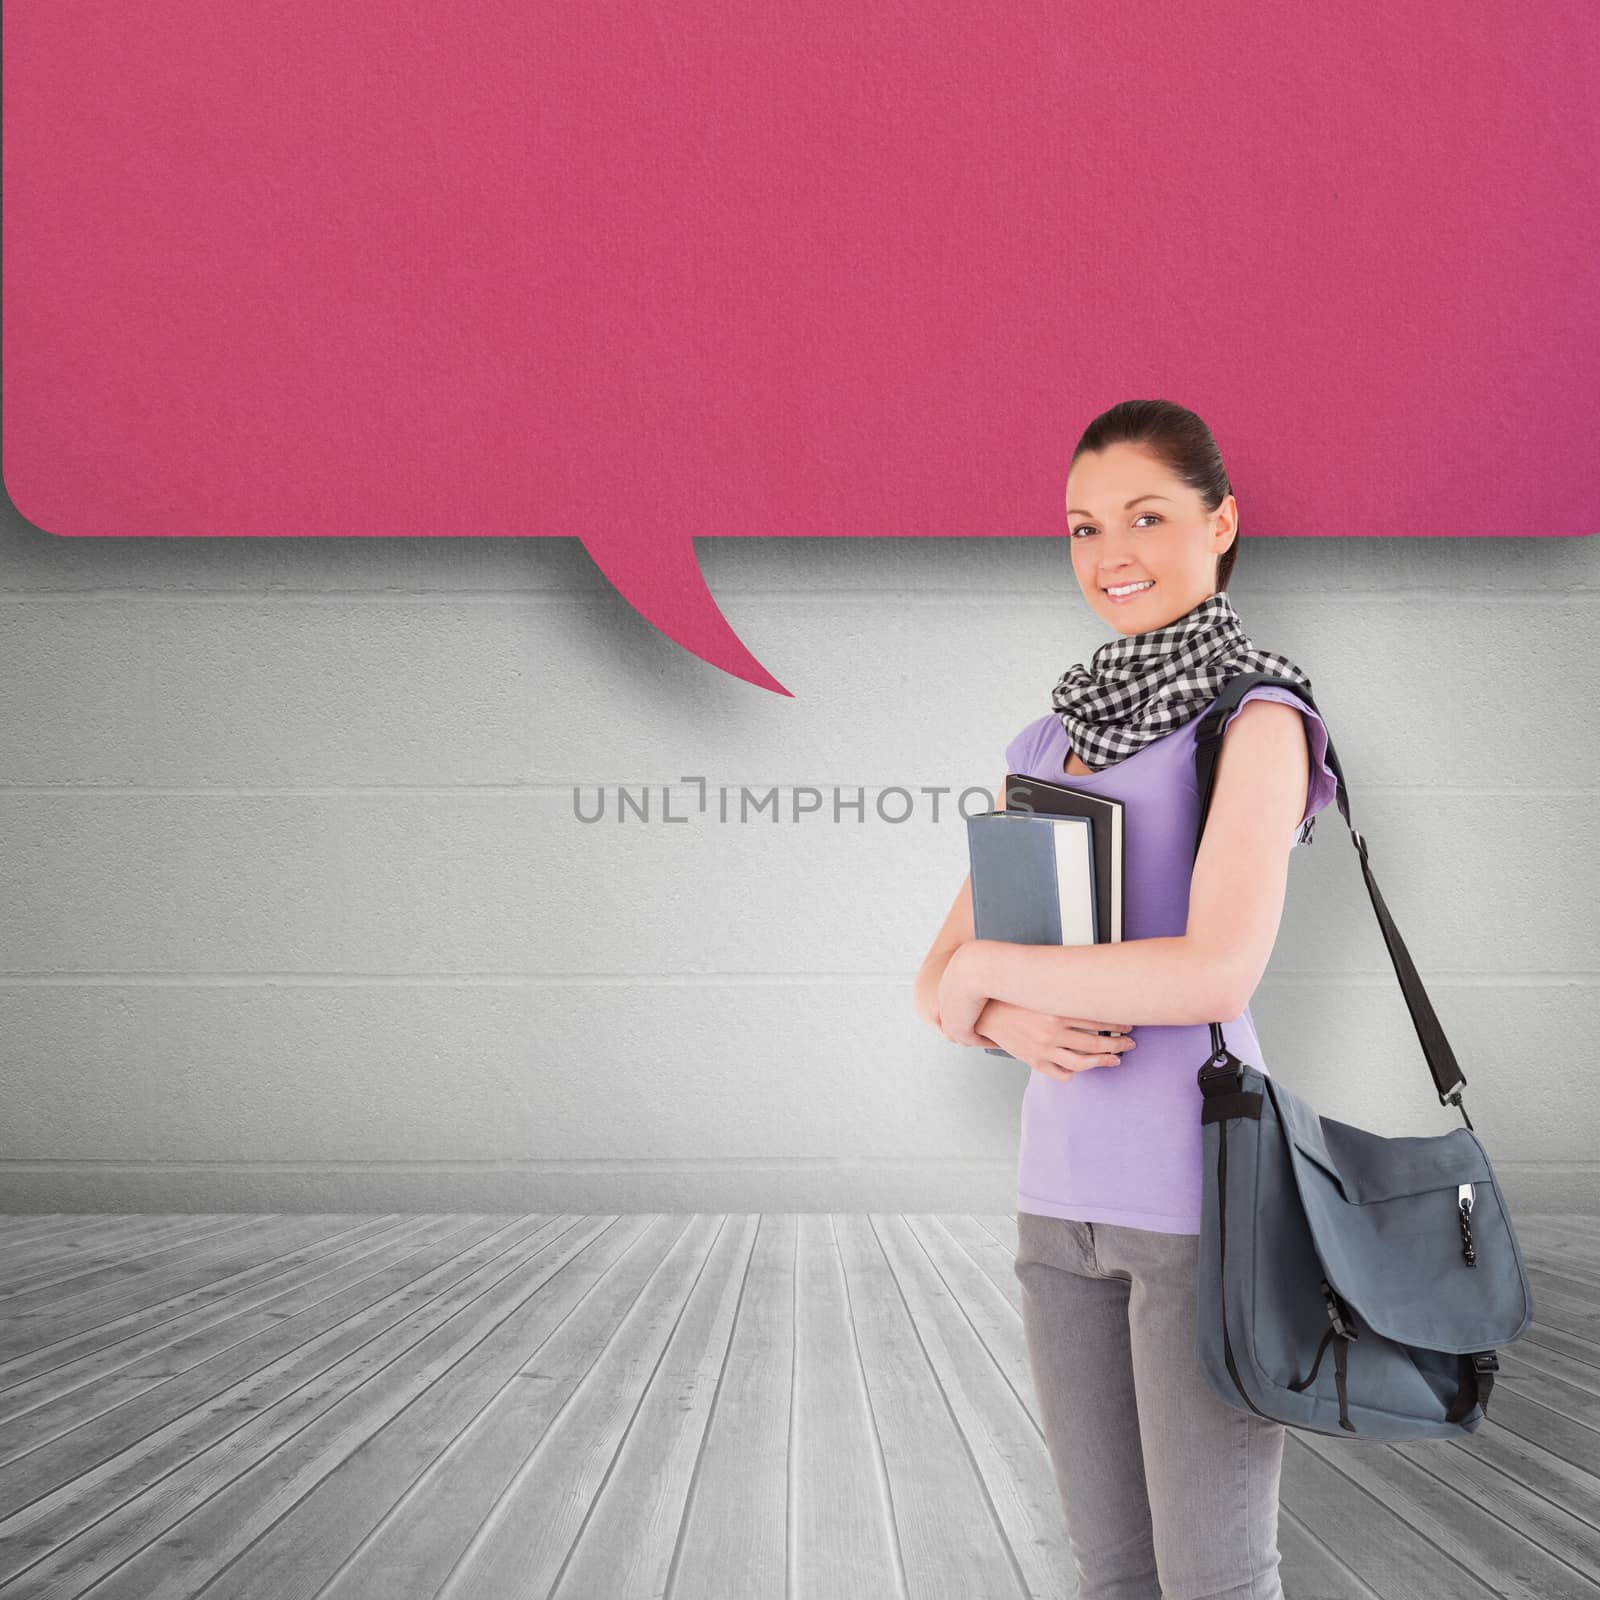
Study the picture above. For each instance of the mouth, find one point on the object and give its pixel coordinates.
(1123, 599)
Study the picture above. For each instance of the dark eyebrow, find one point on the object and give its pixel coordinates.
(1073, 512)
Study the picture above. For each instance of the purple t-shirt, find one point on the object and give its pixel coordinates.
(1121, 1144)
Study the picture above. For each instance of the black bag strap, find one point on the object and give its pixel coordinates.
(1447, 1076)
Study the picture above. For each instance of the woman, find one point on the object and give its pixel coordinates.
(1166, 1488)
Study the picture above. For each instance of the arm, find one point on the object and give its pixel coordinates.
(1236, 891)
(956, 931)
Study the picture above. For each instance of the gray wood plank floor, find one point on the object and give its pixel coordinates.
(602, 1407)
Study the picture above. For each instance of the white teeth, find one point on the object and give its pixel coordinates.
(1130, 588)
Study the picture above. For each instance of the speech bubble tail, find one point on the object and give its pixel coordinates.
(662, 581)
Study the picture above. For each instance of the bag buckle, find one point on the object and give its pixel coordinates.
(1220, 1064)
(1485, 1361)
(1341, 1326)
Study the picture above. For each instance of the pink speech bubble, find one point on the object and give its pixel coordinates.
(637, 276)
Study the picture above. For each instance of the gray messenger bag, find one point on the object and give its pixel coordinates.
(1395, 1255)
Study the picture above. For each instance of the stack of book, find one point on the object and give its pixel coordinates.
(1047, 869)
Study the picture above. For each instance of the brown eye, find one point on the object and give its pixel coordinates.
(1088, 527)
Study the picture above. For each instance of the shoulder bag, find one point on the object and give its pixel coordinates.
(1397, 1252)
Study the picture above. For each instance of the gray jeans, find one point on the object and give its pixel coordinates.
(1169, 1493)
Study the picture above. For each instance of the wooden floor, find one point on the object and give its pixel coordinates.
(603, 1407)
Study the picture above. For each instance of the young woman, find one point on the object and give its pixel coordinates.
(1166, 1489)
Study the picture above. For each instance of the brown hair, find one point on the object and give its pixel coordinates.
(1183, 444)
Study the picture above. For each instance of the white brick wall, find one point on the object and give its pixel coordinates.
(298, 915)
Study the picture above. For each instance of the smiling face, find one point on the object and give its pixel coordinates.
(1165, 535)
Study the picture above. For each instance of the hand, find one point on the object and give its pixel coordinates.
(1056, 1046)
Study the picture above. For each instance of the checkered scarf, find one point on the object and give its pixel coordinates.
(1142, 686)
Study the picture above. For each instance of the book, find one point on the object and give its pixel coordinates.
(1033, 879)
(1041, 795)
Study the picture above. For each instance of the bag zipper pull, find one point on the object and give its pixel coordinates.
(1464, 1203)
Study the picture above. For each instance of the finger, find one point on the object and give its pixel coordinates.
(1094, 1047)
(1080, 1060)
(1098, 1029)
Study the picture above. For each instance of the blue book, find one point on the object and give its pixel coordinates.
(1033, 880)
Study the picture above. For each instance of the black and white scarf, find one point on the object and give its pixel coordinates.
(1142, 686)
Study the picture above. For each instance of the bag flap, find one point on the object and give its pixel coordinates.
(1384, 1217)
(1367, 1167)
